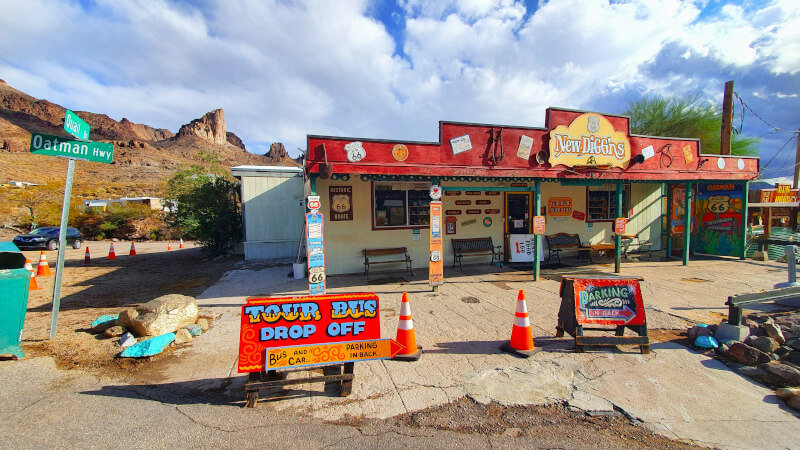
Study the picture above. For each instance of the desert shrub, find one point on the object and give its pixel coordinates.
(205, 207)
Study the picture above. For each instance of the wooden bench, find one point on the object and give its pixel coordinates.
(558, 242)
(475, 247)
(632, 241)
(395, 253)
(736, 302)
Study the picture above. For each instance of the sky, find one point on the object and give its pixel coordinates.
(392, 69)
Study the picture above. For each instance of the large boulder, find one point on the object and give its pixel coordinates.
(785, 375)
(763, 343)
(744, 354)
(165, 314)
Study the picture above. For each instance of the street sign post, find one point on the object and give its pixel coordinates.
(45, 144)
(75, 126)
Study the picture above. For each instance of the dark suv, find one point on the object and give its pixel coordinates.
(47, 237)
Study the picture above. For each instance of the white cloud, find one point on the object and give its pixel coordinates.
(282, 70)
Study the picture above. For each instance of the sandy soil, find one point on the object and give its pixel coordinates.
(108, 287)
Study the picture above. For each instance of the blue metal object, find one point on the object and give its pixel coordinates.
(14, 283)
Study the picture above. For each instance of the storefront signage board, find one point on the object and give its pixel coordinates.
(619, 225)
(521, 248)
(608, 301)
(538, 224)
(590, 140)
(559, 206)
(315, 249)
(460, 144)
(341, 203)
(307, 320)
(436, 260)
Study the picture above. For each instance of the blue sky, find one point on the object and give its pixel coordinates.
(391, 69)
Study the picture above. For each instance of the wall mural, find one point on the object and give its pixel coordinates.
(719, 213)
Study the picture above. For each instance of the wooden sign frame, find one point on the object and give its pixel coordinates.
(612, 301)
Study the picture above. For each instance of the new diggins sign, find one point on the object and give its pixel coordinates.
(289, 321)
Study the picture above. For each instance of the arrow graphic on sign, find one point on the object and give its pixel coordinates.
(625, 314)
(340, 352)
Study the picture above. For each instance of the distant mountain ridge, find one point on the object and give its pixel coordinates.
(143, 155)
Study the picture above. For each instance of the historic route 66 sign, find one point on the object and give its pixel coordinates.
(436, 256)
(355, 151)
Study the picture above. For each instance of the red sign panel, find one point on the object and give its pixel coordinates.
(319, 319)
(538, 224)
(578, 215)
(619, 225)
(608, 301)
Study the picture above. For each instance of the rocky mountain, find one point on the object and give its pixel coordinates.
(144, 157)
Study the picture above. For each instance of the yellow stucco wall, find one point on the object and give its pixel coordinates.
(344, 240)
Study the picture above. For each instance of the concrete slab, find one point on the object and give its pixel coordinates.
(673, 390)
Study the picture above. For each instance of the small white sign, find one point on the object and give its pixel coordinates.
(740, 166)
(436, 226)
(314, 230)
(355, 151)
(648, 152)
(524, 149)
(460, 144)
(521, 248)
(721, 163)
(436, 256)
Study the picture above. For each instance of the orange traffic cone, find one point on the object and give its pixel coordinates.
(44, 269)
(521, 343)
(169, 245)
(405, 334)
(34, 286)
(87, 259)
(111, 253)
(181, 243)
(133, 250)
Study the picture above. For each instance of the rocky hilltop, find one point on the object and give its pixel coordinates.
(144, 156)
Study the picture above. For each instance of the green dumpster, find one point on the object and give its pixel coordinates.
(14, 284)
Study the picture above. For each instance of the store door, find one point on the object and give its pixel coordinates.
(518, 216)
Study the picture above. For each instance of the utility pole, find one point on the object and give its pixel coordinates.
(727, 120)
(797, 161)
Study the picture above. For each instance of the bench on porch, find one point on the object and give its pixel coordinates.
(475, 247)
(632, 242)
(559, 242)
(380, 255)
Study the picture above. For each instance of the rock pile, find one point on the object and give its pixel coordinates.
(158, 323)
(764, 348)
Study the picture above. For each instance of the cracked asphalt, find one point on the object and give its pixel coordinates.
(196, 398)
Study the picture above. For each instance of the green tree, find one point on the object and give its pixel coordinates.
(206, 207)
(687, 117)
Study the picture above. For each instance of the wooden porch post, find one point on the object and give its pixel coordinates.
(744, 220)
(617, 237)
(537, 239)
(687, 220)
(668, 187)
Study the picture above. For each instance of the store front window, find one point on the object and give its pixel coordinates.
(400, 205)
(601, 202)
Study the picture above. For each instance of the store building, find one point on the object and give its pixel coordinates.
(581, 171)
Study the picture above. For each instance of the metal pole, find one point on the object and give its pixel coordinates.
(797, 161)
(62, 248)
(537, 244)
(617, 237)
(745, 216)
(687, 220)
(669, 221)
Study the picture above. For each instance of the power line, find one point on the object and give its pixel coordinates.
(774, 128)
(779, 151)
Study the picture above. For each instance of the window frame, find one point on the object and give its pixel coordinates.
(407, 208)
(626, 201)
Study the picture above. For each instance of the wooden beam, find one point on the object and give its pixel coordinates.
(727, 119)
